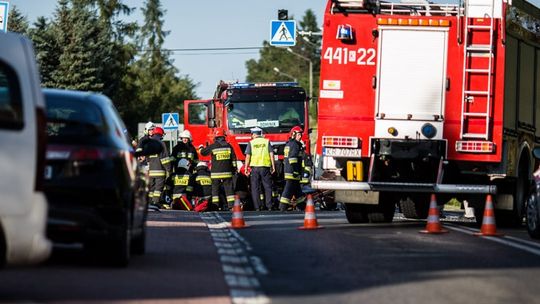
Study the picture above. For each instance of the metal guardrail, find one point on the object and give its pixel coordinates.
(404, 187)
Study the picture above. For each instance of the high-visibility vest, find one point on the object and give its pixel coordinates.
(260, 156)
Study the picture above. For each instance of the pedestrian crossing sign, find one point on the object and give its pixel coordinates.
(169, 121)
(283, 33)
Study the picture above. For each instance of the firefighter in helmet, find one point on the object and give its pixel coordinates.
(292, 168)
(260, 164)
(185, 149)
(148, 132)
(202, 186)
(159, 168)
(223, 168)
(182, 186)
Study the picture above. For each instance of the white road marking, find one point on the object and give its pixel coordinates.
(510, 241)
(239, 267)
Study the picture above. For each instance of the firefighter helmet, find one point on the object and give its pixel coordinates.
(149, 126)
(219, 133)
(296, 130)
(256, 131)
(183, 163)
(159, 131)
(186, 134)
(202, 164)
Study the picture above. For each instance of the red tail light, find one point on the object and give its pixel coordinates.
(87, 154)
(60, 152)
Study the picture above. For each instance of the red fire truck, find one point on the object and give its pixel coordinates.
(275, 107)
(419, 98)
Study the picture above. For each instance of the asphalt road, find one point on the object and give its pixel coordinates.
(196, 258)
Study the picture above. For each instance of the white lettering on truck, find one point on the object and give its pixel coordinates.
(361, 56)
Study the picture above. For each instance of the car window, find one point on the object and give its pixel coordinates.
(11, 108)
(72, 117)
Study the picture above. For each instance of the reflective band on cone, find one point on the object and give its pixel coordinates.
(433, 223)
(488, 222)
(310, 221)
(237, 216)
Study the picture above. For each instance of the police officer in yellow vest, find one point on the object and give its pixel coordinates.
(260, 161)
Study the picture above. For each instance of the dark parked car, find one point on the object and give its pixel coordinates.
(95, 190)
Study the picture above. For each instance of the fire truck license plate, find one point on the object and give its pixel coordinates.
(342, 152)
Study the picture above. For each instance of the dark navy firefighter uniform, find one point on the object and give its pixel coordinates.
(223, 168)
(259, 157)
(159, 168)
(292, 172)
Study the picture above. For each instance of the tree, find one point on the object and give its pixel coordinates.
(161, 90)
(17, 22)
(79, 64)
(47, 50)
(263, 69)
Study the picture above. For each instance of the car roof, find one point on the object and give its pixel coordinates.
(96, 98)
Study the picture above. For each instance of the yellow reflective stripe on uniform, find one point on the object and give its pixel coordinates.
(156, 173)
(203, 180)
(165, 160)
(284, 200)
(189, 189)
(181, 180)
(291, 176)
(219, 175)
(215, 199)
(222, 153)
(230, 198)
(293, 160)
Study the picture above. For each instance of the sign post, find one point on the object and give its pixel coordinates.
(4, 12)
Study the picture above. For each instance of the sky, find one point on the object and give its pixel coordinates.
(207, 24)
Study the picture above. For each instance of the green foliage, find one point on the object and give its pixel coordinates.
(47, 50)
(17, 22)
(290, 64)
(86, 45)
(161, 90)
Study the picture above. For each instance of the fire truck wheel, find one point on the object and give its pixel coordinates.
(533, 216)
(384, 211)
(355, 213)
(415, 206)
(514, 217)
(381, 214)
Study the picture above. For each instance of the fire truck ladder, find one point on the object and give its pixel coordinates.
(477, 50)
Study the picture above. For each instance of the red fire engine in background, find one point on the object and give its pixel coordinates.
(420, 98)
(274, 107)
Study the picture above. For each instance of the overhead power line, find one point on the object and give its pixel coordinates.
(206, 49)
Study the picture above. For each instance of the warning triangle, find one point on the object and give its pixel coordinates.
(171, 122)
(283, 34)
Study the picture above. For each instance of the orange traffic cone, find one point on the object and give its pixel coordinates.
(237, 215)
(488, 222)
(433, 223)
(310, 220)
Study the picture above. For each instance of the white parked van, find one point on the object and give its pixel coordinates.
(23, 206)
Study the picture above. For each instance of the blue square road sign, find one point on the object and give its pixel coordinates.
(283, 33)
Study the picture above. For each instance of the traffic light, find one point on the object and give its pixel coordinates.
(283, 14)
